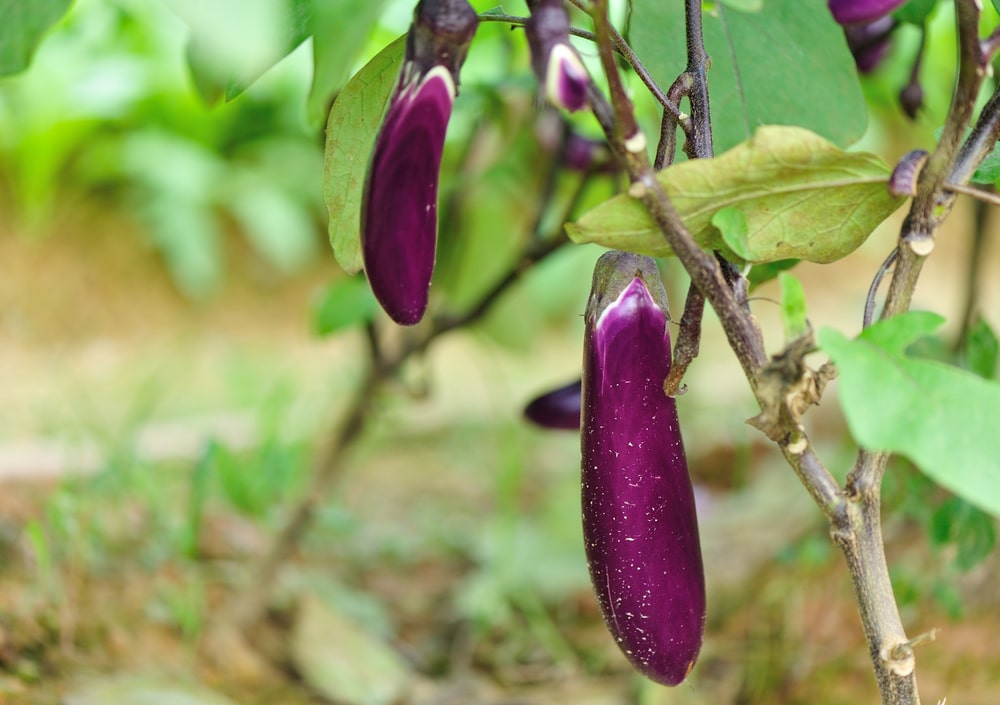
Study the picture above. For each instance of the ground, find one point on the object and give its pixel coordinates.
(451, 536)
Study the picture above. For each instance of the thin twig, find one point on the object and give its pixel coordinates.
(519, 21)
(694, 84)
(621, 47)
(699, 144)
(688, 341)
(873, 288)
(977, 193)
(252, 602)
(667, 147)
(973, 276)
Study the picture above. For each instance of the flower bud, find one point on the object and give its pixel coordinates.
(399, 209)
(557, 409)
(639, 521)
(858, 11)
(586, 154)
(911, 99)
(554, 60)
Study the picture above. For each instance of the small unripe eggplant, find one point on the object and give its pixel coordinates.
(554, 60)
(557, 409)
(639, 522)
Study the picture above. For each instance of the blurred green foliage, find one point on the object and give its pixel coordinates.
(107, 111)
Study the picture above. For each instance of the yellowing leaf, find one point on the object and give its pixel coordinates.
(801, 198)
(350, 137)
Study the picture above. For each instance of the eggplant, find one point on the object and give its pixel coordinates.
(847, 12)
(639, 522)
(554, 60)
(557, 409)
(399, 208)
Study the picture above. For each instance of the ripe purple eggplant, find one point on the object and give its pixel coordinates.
(399, 210)
(639, 522)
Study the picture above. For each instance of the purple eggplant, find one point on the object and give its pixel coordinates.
(870, 42)
(859, 11)
(554, 60)
(639, 522)
(558, 409)
(399, 209)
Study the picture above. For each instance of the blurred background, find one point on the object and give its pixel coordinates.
(173, 355)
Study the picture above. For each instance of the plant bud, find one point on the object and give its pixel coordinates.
(859, 11)
(557, 409)
(554, 60)
(911, 99)
(586, 154)
(639, 521)
(399, 209)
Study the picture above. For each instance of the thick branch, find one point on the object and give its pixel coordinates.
(860, 536)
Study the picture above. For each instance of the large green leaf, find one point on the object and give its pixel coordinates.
(350, 136)
(341, 30)
(233, 42)
(941, 417)
(787, 64)
(800, 197)
(22, 25)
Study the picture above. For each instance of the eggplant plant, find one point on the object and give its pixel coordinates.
(763, 99)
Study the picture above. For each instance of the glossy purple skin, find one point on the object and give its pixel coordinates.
(399, 211)
(857, 11)
(558, 409)
(640, 526)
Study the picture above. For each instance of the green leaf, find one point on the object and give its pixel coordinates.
(735, 232)
(988, 171)
(350, 137)
(280, 228)
(745, 5)
(761, 273)
(787, 64)
(234, 42)
(793, 307)
(981, 349)
(23, 23)
(345, 303)
(916, 11)
(801, 197)
(972, 530)
(342, 28)
(941, 417)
